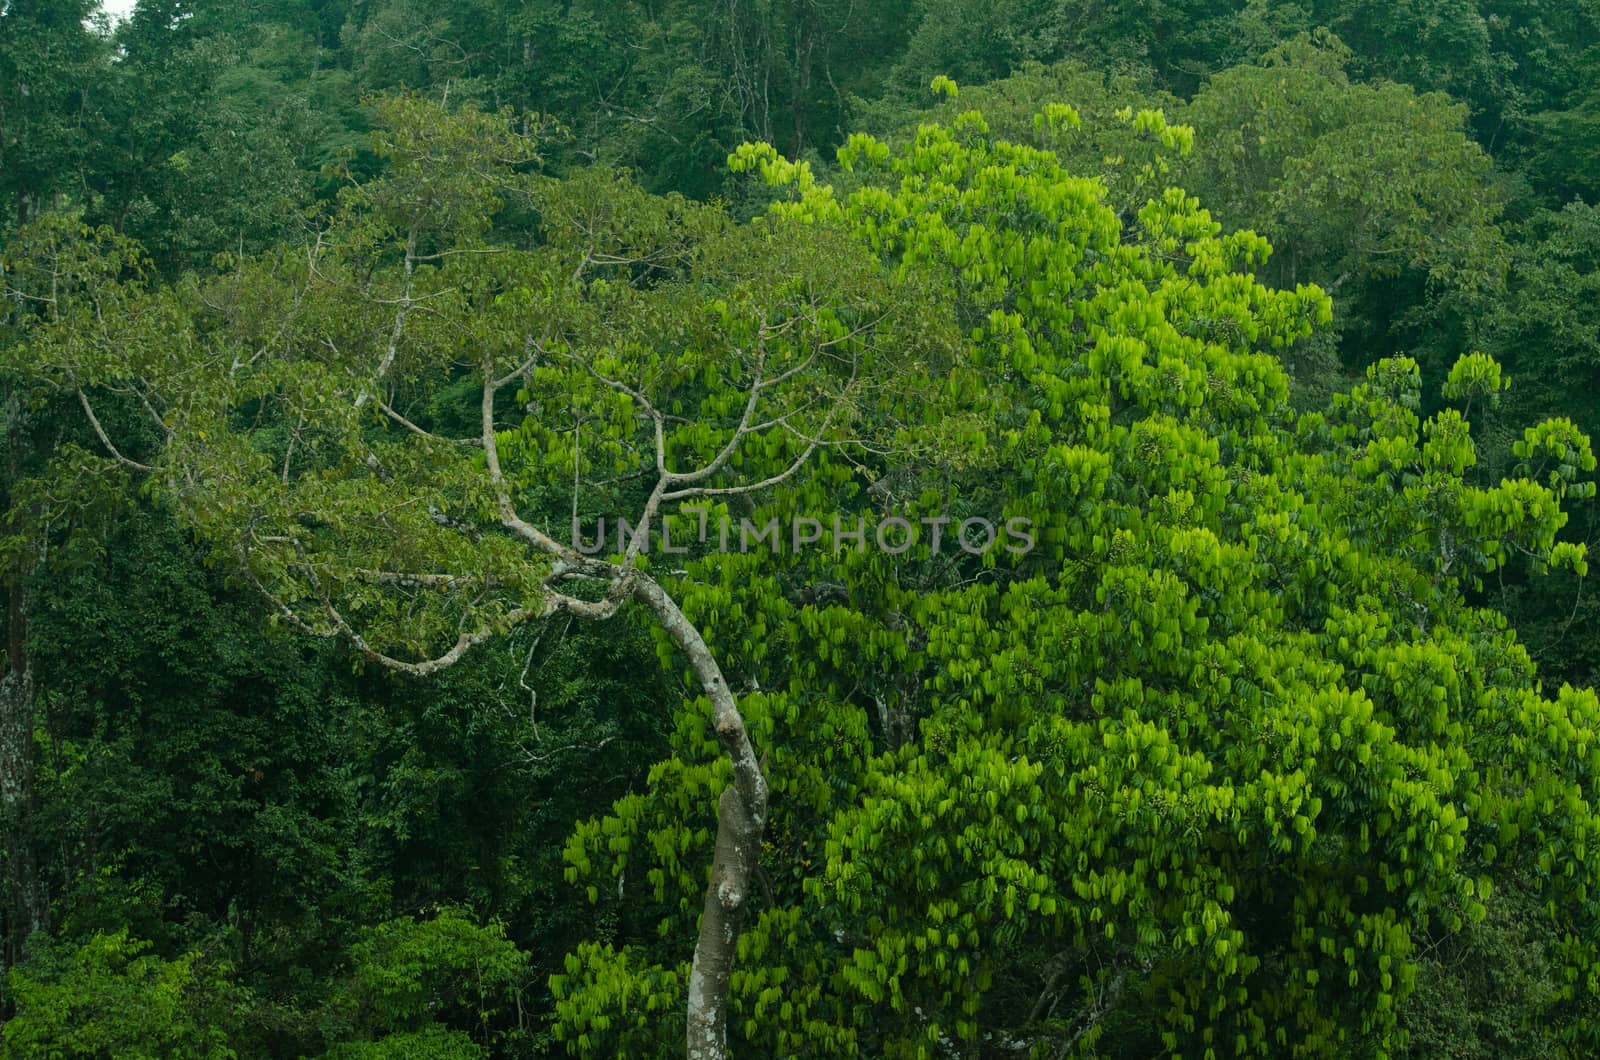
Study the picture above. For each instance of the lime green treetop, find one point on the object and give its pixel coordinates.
(1209, 769)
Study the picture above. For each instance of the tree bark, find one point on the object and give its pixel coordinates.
(24, 902)
(741, 820)
(24, 907)
(804, 43)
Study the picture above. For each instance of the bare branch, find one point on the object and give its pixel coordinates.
(420, 432)
(738, 435)
(408, 580)
(508, 512)
(521, 369)
(463, 250)
(399, 320)
(812, 445)
(729, 724)
(105, 440)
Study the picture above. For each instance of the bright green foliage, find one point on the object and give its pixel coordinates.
(111, 998)
(1209, 768)
(1475, 377)
(647, 1003)
(437, 981)
(1373, 192)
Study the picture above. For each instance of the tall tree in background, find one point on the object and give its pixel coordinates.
(24, 911)
(53, 504)
(1372, 191)
(52, 68)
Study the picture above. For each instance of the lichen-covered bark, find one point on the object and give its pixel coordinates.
(741, 819)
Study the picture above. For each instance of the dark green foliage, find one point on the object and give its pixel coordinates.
(52, 66)
(203, 785)
(1547, 329)
(1476, 989)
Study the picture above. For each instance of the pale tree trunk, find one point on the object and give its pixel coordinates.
(741, 820)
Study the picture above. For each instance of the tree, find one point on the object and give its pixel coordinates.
(1437, 45)
(1372, 191)
(1216, 766)
(1175, 43)
(51, 67)
(177, 162)
(55, 506)
(1547, 331)
(1120, 133)
(304, 409)
(411, 980)
(1563, 156)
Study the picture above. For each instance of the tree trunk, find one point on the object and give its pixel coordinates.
(803, 44)
(24, 906)
(741, 820)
